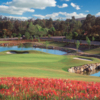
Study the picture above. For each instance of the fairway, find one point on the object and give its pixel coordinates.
(38, 64)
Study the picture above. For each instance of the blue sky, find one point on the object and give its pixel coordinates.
(45, 9)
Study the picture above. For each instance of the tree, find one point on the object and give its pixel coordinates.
(31, 38)
(9, 25)
(49, 23)
(38, 39)
(77, 45)
(27, 35)
(19, 36)
(46, 43)
(51, 31)
(41, 35)
(21, 45)
(88, 24)
(11, 36)
(31, 28)
(4, 36)
(14, 34)
(69, 36)
(45, 31)
(93, 39)
(35, 36)
(39, 30)
(16, 26)
(88, 41)
(75, 34)
(49, 35)
(87, 38)
(4, 31)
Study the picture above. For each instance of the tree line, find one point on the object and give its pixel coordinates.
(71, 28)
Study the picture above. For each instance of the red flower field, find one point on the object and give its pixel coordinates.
(12, 88)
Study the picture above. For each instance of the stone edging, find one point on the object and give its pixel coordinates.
(84, 68)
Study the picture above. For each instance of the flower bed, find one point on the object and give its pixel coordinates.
(12, 88)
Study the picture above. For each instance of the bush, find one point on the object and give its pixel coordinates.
(49, 36)
(27, 35)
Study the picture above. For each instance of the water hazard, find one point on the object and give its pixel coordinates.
(25, 48)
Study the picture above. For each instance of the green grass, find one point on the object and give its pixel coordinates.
(93, 51)
(38, 64)
(4, 41)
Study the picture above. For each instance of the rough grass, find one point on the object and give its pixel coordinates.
(4, 41)
(51, 43)
(94, 51)
(38, 64)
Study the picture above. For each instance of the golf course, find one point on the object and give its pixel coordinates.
(39, 64)
(49, 50)
(38, 75)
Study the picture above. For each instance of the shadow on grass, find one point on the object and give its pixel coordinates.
(65, 69)
(19, 52)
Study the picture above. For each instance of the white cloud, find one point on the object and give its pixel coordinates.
(63, 6)
(98, 14)
(20, 18)
(87, 11)
(18, 7)
(39, 16)
(67, 0)
(14, 10)
(57, 15)
(75, 6)
(38, 4)
(54, 15)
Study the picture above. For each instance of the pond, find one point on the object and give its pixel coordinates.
(96, 74)
(19, 48)
(92, 73)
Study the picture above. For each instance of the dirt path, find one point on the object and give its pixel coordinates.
(59, 38)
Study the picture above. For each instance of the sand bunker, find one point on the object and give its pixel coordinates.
(82, 59)
(10, 52)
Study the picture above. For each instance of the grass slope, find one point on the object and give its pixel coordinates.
(94, 51)
(38, 64)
